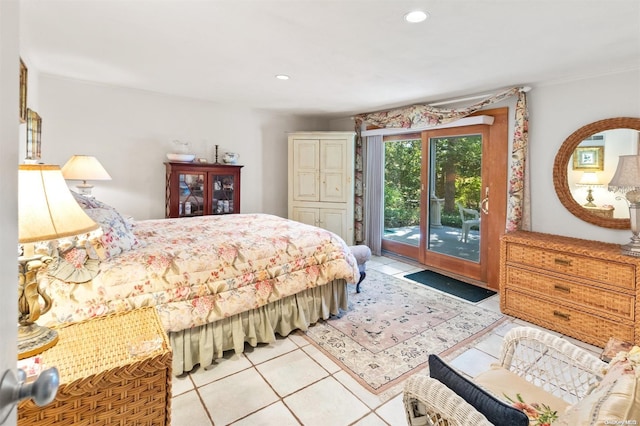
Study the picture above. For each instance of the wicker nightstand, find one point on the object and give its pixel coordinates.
(100, 382)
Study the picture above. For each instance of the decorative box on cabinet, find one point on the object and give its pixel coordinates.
(601, 211)
(114, 369)
(581, 288)
(197, 189)
(321, 180)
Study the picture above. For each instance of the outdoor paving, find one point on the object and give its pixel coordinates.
(445, 240)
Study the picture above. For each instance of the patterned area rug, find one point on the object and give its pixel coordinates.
(392, 326)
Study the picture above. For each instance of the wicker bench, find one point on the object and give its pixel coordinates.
(362, 254)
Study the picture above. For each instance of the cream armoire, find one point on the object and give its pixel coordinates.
(321, 181)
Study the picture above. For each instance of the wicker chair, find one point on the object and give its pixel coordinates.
(469, 218)
(549, 362)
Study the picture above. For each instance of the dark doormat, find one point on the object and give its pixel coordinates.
(450, 285)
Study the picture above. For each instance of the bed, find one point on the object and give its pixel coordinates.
(217, 282)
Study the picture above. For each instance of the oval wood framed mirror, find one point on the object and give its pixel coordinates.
(561, 163)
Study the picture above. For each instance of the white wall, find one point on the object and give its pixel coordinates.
(555, 111)
(130, 132)
(9, 125)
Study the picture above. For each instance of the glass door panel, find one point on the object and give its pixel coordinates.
(223, 195)
(402, 189)
(191, 194)
(455, 183)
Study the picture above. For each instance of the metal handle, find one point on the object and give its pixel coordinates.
(484, 204)
(14, 390)
(564, 262)
(559, 314)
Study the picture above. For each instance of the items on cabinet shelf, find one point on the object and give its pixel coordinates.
(321, 181)
(580, 288)
(197, 189)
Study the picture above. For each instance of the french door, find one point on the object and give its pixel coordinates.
(454, 215)
(455, 187)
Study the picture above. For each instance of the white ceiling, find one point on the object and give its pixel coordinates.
(343, 56)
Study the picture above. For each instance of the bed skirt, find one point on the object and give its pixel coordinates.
(204, 344)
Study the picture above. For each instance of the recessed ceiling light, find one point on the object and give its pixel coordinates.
(416, 16)
(282, 77)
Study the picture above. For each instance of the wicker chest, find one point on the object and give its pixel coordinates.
(580, 288)
(101, 382)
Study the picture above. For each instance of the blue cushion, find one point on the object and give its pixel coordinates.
(496, 411)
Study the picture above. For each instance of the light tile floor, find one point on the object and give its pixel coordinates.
(290, 382)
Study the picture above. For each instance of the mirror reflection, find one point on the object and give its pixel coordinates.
(591, 167)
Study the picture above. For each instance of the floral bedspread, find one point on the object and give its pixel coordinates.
(199, 270)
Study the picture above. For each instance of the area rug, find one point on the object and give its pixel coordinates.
(450, 285)
(393, 325)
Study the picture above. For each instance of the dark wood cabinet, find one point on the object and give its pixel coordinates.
(198, 189)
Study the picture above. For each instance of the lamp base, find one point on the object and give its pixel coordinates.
(34, 339)
(590, 198)
(85, 189)
(630, 250)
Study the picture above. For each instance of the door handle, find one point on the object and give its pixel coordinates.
(13, 390)
(484, 204)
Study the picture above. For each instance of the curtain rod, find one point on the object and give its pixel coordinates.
(462, 122)
(468, 98)
(473, 98)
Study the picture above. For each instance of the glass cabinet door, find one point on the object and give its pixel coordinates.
(222, 188)
(191, 194)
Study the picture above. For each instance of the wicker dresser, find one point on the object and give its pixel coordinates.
(100, 381)
(580, 288)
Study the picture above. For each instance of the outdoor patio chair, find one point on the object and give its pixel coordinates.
(537, 374)
(469, 217)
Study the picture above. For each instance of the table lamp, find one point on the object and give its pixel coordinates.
(84, 168)
(589, 179)
(626, 180)
(46, 211)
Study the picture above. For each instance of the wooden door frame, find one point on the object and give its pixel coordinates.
(498, 180)
(474, 270)
(496, 166)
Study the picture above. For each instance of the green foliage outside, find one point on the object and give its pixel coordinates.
(456, 177)
(403, 161)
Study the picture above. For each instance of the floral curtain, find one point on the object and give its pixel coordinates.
(422, 116)
(518, 198)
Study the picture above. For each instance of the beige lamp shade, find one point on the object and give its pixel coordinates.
(627, 175)
(589, 179)
(46, 208)
(84, 167)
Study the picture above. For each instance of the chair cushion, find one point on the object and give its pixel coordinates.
(496, 411)
(615, 400)
(522, 394)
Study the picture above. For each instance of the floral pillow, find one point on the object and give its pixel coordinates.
(116, 236)
(114, 239)
(539, 414)
(75, 266)
(88, 202)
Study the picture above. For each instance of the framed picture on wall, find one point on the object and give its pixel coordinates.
(34, 132)
(589, 158)
(23, 92)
